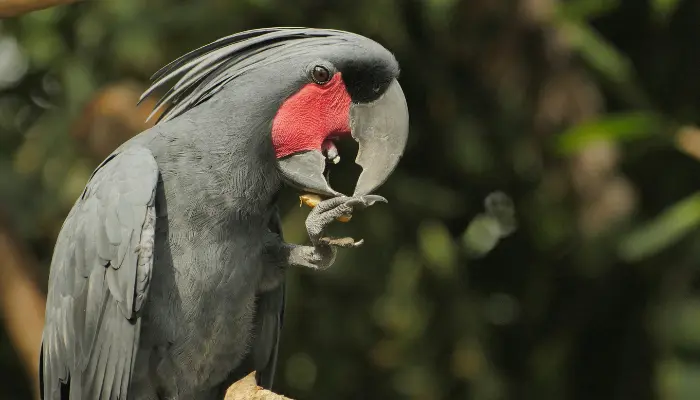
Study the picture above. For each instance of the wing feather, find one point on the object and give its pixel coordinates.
(99, 280)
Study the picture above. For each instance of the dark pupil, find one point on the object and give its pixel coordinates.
(321, 74)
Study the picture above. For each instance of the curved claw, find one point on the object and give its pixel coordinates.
(366, 200)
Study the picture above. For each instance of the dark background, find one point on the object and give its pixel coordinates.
(573, 120)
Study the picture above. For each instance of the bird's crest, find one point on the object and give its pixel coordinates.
(204, 71)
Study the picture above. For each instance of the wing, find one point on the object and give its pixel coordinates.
(99, 279)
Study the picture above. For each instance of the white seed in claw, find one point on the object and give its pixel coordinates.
(336, 159)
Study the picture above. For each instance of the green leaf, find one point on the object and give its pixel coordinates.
(613, 127)
(663, 9)
(663, 231)
(481, 236)
(586, 9)
(684, 319)
(437, 247)
(440, 11)
(597, 52)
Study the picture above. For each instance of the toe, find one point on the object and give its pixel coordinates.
(329, 204)
(365, 201)
(345, 242)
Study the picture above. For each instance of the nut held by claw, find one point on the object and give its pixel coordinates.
(312, 201)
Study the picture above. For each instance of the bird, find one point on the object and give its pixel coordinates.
(167, 279)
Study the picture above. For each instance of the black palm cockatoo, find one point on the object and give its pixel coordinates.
(167, 279)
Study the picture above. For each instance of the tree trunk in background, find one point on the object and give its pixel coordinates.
(21, 302)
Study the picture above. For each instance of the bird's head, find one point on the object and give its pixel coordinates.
(327, 84)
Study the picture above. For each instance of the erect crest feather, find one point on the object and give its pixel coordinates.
(204, 71)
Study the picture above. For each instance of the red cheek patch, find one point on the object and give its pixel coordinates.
(309, 116)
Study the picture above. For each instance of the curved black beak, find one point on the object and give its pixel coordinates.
(381, 130)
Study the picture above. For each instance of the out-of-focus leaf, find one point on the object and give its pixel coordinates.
(300, 371)
(500, 206)
(416, 381)
(469, 150)
(548, 360)
(138, 48)
(79, 84)
(470, 362)
(402, 316)
(663, 231)
(44, 46)
(663, 9)
(600, 54)
(613, 127)
(501, 309)
(405, 272)
(28, 157)
(487, 229)
(440, 11)
(585, 9)
(124, 10)
(482, 235)
(53, 172)
(685, 324)
(437, 247)
(428, 196)
(48, 15)
(678, 380)
(468, 359)
(90, 31)
(13, 62)
(401, 310)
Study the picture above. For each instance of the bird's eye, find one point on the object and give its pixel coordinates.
(320, 75)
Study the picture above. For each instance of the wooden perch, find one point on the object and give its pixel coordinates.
(14, 8)
(247, 389)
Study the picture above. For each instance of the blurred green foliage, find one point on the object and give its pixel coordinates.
(541, 240)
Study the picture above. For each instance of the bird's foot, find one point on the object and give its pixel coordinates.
(321, 254)
(329, 210)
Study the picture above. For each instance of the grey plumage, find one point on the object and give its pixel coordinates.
(167, 279)
(102, 266)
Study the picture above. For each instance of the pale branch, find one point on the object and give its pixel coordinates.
(15, 8)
